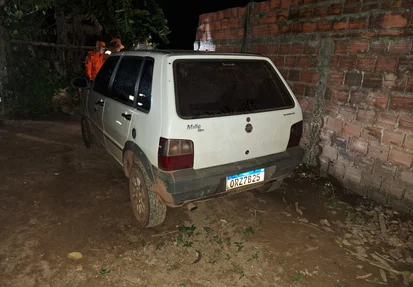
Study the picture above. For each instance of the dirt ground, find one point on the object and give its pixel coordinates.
(58, 197)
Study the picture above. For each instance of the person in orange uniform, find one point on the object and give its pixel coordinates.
(114, 46)
(95, 60)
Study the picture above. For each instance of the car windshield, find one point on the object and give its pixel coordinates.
(208, 88)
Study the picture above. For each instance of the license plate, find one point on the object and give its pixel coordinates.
(246, 178)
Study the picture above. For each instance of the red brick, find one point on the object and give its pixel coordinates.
(306, 12)
(408, 142)
(347, 113)
(353, 79)
(393, 138)
(309, 77)
(265, 6)
(401, 103)
(400, 47)
(294, 75)
(284, 48)
(274, 30)
(358, 97)
(310, 91)
(228, 23)
(370, 6)
(323, 25)
(371, 134)
(401, 157)
(409, 85)
(290, 61)
(395, 83)
(396, 19)
(339, 95)
(268, 18)
(329, 152)
(379, 100)
(406, 123)
(261, 31)
(284, 73)
(335, 9)
(278, 61)
(294, 14)
(366, 116)
(366, 63)
(341, 47)
(335, 78)
(372, 81)
(334, 125)
(352, 129)
(320, 11)
(340, 25)
(334, 61)
(386, 120)
(347, 62)
(386, 63)
(330, 108)
(407, 177)
(309, 27)
(405, 64)
(358, 145)
(379, 47)
(282, 16)
(284, 29)
(306, 104)
(297, 48)
(299, 89)
(285, 4)
(357, 23)
(302, 62)
(378, 151)
(275, 4)
(360, 46)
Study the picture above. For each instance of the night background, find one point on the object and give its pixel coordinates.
(183, 17)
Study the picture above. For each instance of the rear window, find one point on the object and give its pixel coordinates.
(210, 88)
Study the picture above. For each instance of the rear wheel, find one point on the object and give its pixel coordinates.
(148, 209)
(88, 138)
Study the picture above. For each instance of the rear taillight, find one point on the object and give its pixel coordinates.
(295, 134)
(175, 154)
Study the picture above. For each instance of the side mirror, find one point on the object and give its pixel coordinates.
(80, 83)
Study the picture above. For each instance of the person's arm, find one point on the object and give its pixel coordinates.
(88, 66)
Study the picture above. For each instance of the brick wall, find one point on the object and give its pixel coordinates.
(350, 64)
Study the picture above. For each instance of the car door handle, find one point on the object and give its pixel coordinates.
(101, 102)
(127, 116)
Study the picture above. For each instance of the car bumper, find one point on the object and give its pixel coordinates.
(184, 186)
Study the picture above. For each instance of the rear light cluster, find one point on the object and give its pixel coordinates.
(175, 154)
(295, 134)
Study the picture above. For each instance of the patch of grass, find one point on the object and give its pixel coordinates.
(282, 262)
(188, 230)
(239, 245)
(188, 244)
(104, 271)
(248, 231)
(143, 243)
(227, 256)
(181, 285)
(298, 277)
(228, 241)
(254, 256)
(218, 239)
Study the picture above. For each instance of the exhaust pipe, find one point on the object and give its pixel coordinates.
(191, 206)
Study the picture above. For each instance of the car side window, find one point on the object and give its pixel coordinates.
(102, 79)
(145, 86)
(123, 88)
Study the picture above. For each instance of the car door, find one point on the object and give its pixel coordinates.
(98, 95)
(119, 106)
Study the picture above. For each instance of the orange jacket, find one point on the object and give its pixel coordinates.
(94, 62)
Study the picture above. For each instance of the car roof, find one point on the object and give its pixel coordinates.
(187, 52)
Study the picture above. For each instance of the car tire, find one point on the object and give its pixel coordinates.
(148, 209)
(88, 138)
(271, 186)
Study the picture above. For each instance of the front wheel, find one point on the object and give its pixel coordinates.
(148, 209)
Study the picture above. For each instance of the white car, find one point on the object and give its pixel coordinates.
(189, 125)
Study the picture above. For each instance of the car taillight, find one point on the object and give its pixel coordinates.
(175, 154)
(295, 134)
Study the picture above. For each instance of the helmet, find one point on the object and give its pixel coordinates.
(115, 42)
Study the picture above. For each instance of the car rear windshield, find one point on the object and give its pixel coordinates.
(210, 88)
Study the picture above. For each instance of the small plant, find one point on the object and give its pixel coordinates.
(299, 277)
(181, 285)
(159, 245)
(208, 230)
(238, 270)
(282, 262)
(217, 239)
(228, 241)
(143, 242)
(254, 256)
(248, 231)
(104, 271)
(227, 257)
(188, 244)
(239, 246)
(188, 230)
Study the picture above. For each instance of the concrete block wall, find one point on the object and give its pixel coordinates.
(350, 64)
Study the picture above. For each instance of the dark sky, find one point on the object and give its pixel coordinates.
(183, 18)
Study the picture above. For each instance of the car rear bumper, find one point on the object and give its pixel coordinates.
(184, 186)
